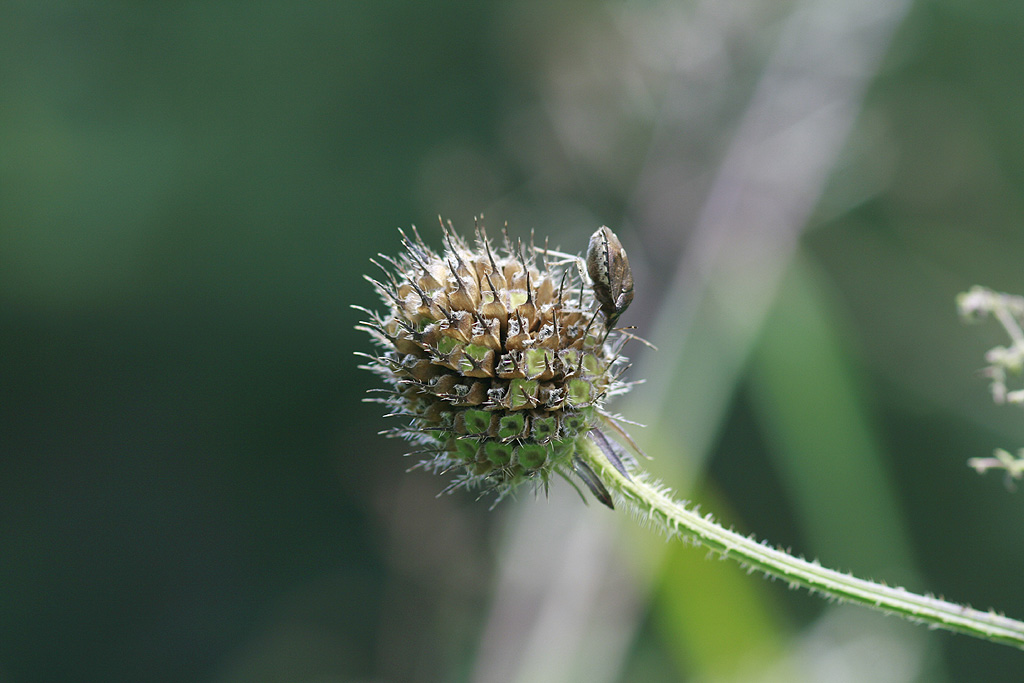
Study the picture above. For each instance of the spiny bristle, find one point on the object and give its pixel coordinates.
(499, 364)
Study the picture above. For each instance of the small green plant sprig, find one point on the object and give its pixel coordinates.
(501, 363)
(1004, 362)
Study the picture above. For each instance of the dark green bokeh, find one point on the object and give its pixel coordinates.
(190, 488)
(188, 197)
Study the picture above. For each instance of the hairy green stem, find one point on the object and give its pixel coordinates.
(654, 503)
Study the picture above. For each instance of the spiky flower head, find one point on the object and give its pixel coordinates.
(500, 360)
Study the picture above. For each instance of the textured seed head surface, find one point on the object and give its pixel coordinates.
(497, 357)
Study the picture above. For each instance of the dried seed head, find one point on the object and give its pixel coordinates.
(499, 363)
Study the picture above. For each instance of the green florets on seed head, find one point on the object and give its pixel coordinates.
(500, 360)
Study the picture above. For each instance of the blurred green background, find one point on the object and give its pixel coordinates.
(190, 487)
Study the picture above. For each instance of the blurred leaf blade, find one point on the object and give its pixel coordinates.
(812, 411)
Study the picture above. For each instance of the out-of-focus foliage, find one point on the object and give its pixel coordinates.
(190, 488)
